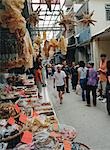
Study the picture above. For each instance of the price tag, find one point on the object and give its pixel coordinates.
(67, 145)
(27, 137)
(23, 118)
(11, 121)
(17, 108)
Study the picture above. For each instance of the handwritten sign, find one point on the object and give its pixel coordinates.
(27, 137)
(67, 145)
(11, 121)
(23, 118)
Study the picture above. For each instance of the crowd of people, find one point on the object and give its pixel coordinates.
(83, 76)
(87, 78)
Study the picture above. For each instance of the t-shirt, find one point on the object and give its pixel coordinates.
(38, 75)
(59, 78)
(83, 72)
(103, 66)
(92, 77)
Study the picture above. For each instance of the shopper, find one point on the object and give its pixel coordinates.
(74, 76)
(60, 82)
(66, 69)
(92, 81)
(102, 77)
(49, 70)
(82, 72)
(53, 69)
(108, 87)
(43, 76)
(38, 80)
(46, 69)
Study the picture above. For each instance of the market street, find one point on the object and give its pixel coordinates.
(91, 123)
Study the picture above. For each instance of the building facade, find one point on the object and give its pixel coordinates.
(93, 40)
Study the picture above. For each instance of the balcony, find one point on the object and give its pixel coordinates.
(84, 36)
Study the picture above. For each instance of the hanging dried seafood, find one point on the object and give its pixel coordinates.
(62, 45)
(46, 48)
(34, 17)
(38, 40)
(67, 20)
(48, 2)
(44, 35)
(87, 19)
(53, 43)
(12, 19)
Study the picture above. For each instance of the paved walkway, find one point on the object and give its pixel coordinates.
(92, 124)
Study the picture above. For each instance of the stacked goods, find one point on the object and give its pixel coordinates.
(32, 124)
(7, 110)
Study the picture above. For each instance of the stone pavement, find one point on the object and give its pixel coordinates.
(91, 123)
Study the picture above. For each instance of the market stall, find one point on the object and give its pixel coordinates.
(27, 122)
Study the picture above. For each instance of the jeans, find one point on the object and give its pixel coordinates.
(88, 90)
(83, 87)
(67, 84)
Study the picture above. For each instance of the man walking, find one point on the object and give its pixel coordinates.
(67, 71)
(102, 77)
(60, 82)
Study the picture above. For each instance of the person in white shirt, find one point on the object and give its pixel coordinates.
(60, 82)
(82, 73)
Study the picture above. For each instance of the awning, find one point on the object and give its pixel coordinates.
(104, 34)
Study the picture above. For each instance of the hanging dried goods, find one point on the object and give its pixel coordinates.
(87, 19)
(34, 17)
(62, 45)
(67, 20)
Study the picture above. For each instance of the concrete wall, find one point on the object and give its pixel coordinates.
(99, 15)
(99, 47)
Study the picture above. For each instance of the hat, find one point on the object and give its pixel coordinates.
(59, 66)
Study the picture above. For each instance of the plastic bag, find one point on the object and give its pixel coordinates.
(78, 89)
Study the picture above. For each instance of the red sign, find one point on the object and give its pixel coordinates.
(23, 118)
(67, 145)
(27, 137)
(11, 121)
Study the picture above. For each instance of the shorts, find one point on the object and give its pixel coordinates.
(61, 88)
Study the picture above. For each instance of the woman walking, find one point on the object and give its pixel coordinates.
(82, 73)
(74, 76)
(92, 81)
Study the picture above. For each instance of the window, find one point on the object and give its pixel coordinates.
(107, 8)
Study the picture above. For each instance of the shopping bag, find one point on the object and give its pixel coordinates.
(78, 89)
